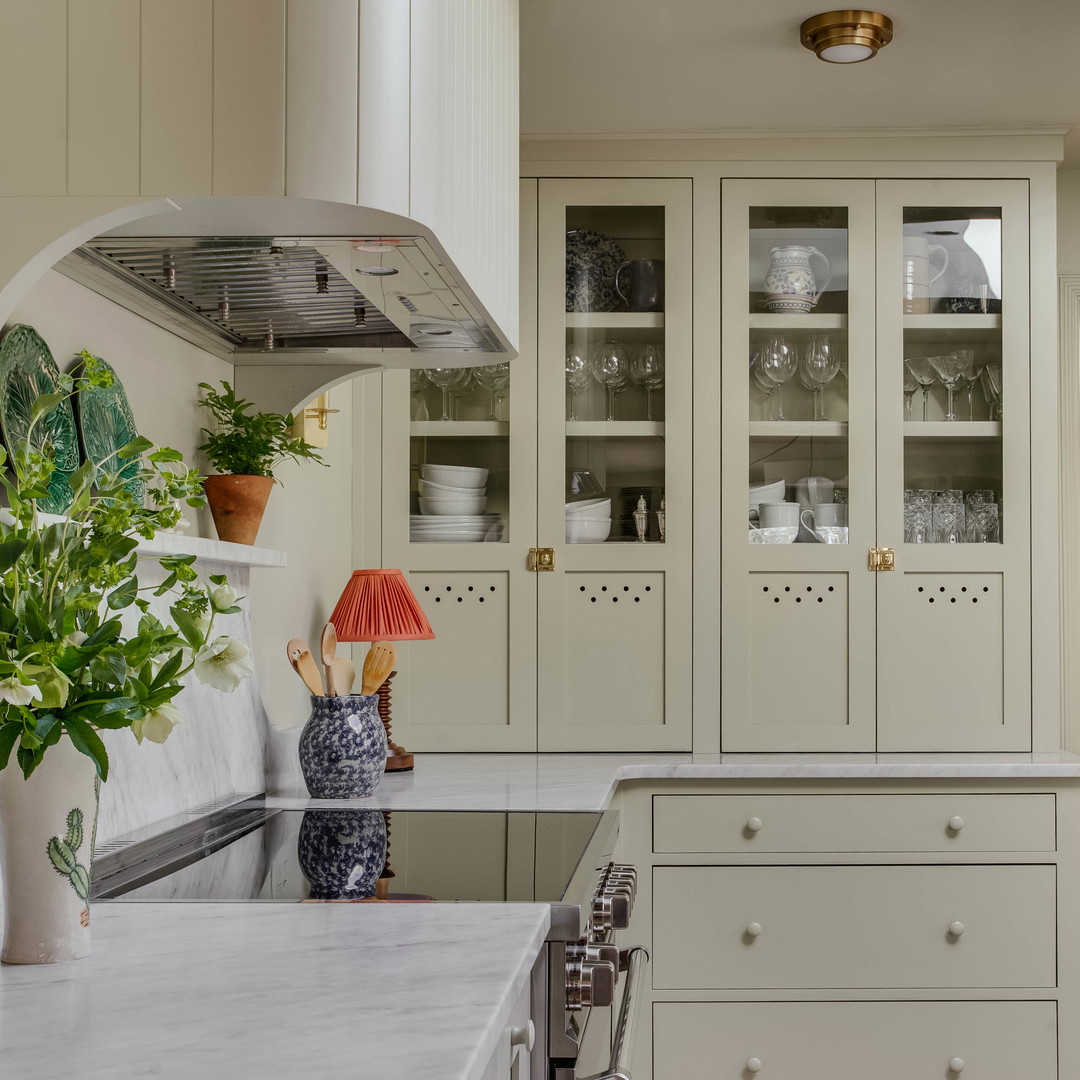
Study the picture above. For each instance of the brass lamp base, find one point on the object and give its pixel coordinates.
(399, 759)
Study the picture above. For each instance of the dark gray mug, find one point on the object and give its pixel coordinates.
(646, 289)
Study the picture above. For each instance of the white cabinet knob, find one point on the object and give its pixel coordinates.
(753, 1064)
(524, 1036)
(956, 1065)
(753, 929)
(956, 928)
(956, 823)
(754, 824)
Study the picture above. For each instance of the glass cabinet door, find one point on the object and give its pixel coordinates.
(798, 446)
(953, 484)
(614, 369)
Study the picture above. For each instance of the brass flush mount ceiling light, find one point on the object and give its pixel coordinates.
(846, 37)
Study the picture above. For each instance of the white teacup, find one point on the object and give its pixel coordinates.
(828, 522)
(776, 515)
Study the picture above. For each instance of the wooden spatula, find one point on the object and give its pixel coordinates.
(304, 665)
(329, 651)
(379, 662)
(344, 675)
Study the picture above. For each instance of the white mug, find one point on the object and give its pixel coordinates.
(772, 515)
(828, 522)
(917, 280)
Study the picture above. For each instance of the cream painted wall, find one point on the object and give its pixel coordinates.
(1068, 200)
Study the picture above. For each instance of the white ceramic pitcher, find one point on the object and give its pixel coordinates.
(790, 285)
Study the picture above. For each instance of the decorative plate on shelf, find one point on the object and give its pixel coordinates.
(27, 370)
(106, 425)
(591, 262)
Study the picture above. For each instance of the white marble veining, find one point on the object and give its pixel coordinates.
(274, 991)
(585, 782)
(216, 551)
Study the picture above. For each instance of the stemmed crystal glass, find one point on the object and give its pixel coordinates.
(446, 379)
(578, 374)
(777, 361)
(647, 370)
(417, 381)
(969, 379)
(991, 384)
(461, 386)
(818, 367)
(494, 379)
(910, 386)
(951, 369)
(611, 369)
(764, 383)
(918, 367)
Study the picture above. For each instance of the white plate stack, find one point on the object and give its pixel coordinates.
(453, 504)
(588, 522)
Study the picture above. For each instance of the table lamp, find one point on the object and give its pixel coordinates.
(378, 606)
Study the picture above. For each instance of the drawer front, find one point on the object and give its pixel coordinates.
(776, 927)
(794, 823)
(891, 1040)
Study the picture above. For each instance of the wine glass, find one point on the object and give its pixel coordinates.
(910, 386)
(920, 370)
(460, 386)
(611, 369)
(766, 386)
(647, 369)
(969, 379)
(991, 384)
(778, 361)
(818, 367)
(578, 374)
(444, 379)
(417, 381)
(495, 378)
(951, 368)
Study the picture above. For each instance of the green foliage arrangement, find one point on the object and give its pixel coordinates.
(79, 648)
(246, 443)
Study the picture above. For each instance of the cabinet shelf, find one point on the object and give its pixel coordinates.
(809, 321)
(458, 428)
(920, 328)
(608, 428)
(614, 320)
(952, 429)
(822, 429)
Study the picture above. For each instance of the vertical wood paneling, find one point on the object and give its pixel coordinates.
(33, 98)
(103, 97)
(249, 97)
(321, 121)
(383, 165)
(177, 97)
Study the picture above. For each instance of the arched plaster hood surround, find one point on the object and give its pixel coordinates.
(289, 145)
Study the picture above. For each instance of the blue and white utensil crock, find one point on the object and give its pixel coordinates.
(343, 747)
(342, 852)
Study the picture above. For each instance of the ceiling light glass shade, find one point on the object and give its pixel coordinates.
(846, 37)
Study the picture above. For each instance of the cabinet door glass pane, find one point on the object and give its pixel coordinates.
(953, 310)
(460, 455)
(616, 373)
(798, 374)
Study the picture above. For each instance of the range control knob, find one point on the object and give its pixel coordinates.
(595, 953)
(611, 912)
(589, 983)
(626, 881)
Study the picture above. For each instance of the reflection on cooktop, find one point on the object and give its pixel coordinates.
(358, 855)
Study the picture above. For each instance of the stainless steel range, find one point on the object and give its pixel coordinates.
(255, 853)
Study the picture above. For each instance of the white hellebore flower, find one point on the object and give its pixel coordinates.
(223, 663)
(16, 693)
(157, 725)
(223, 597)
(76, 637)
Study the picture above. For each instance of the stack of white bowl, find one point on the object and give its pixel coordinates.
(453, 501)
(588, 522)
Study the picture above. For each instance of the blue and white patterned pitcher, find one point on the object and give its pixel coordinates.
(790, 285)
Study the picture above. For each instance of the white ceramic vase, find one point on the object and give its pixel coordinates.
(47, 826)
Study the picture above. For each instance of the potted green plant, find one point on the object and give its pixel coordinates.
(245, 447)
(81, 652)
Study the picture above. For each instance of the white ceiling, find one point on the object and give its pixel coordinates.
(625, 66)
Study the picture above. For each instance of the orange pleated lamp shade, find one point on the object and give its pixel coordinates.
(378, 605)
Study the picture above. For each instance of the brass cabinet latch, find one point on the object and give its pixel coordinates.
(882, 558)
(541, 559)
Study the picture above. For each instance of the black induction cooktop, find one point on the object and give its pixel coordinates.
(254, 853)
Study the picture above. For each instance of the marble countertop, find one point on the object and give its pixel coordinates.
(231, 991)
(585, 782)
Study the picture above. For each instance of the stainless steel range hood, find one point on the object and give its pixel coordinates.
(312, 297)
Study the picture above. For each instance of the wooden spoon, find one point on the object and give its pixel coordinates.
(379, 662)
(344, 674)
(304, 665)
(329, 651)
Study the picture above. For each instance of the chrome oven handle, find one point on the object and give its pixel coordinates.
(622, 1048)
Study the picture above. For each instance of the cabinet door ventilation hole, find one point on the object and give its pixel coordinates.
(468, 592)
(614, 598)
(960, 594)
(798, 593)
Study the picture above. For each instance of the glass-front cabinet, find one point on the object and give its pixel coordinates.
(543, 509)
(876, 596)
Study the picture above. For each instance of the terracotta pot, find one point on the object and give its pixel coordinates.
(47, 826)
(238, 504)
